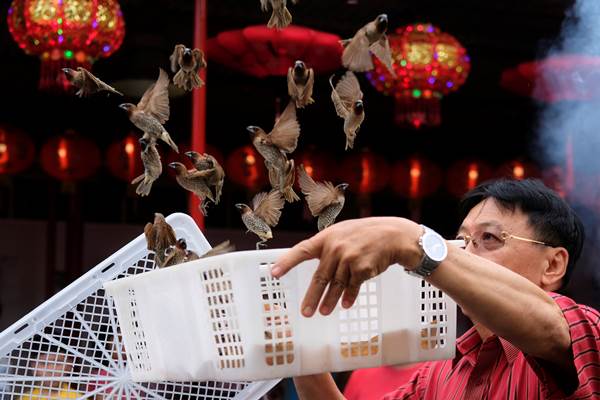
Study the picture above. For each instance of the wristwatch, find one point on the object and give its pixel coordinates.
(435, 251)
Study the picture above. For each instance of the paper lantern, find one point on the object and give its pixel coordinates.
(17, 151)
(465, 175)
(516, 169)
(429, 64)
(70, 157)
(316, 164)
(415, 178)
(66, 33)
(365, 172)
(123, 158)
(246, 167)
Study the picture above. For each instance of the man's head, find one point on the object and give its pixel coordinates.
(524, 226)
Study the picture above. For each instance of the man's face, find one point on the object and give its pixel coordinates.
(487, 220)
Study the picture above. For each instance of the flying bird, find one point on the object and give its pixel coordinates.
(152, 167)
(195, 182)
(185, 64)
(87, 83)
(264, 214)
(283, 180)
(281, 140)
(152, 111)
(371, 38)
(212, 170)
(159, 237)
(324, 200)
(300, 81)
(280, 16)
(347, 99)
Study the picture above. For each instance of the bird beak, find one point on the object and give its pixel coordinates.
(344, 186)
(252, 129)
(299, 64)
(65, 70)
(173, 165)
(190, 154)
(239, 206)
(123, 106)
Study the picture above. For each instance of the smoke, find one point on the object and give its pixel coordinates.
(568, 133)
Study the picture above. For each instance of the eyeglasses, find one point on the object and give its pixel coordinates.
(491, 241)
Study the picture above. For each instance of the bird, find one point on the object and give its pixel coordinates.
(152, 111)
(264, 214)
(152, 167)
(179, 253)
(281, 140)
(213, 171)
(87, 83)
(159, 237)
(371, 38)
(185, 64)
(324, 200)
(194, 181)
(347, 99)
(300, 81)
(280, 16)
(283, 180)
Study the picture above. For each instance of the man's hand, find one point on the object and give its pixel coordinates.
(351, 252)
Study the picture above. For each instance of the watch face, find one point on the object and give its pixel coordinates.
(434, 246)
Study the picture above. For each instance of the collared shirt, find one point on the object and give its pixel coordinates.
(495, 369)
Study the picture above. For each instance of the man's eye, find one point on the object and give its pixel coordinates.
(489, 237)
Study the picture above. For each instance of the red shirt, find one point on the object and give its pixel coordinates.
(373, 383)
(495, 369)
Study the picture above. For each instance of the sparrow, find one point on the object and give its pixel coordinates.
(324, 200)
(185, 64)
(159, 237)
(280, 17)
(87, 83)
(283, 180)
(194, 181)
(212, 170)
(152, 167)
(347, 99)
(300, 81)
(264, 214)
(281, 140)
(371, 38)
(153, 111)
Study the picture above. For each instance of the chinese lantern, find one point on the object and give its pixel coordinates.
(516, 169)
(465, 175)
(429, 64)
(66, 33)
(365, 172)
(123, 158)
(415, 178)
(315, 164)
(246, 167)
(70, 157)
(17, 151)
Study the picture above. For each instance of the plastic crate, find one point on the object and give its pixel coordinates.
(226, 318)
(72, 341)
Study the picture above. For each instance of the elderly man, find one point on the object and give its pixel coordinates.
(522, 242)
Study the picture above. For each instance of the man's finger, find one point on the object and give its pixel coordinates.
(336, 288)
(305, 250)
(353, 289)
(318, 283)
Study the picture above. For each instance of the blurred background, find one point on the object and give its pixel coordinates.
(481, 92)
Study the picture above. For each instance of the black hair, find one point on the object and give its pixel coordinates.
(552, 219)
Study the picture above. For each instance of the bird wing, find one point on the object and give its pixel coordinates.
(318, 194)
(91, 83)
(348, 89)
(155, 100)
(195, 174)
(381, 50)
(199, 59)
(292, 88)
(267, 206)
(221, 248)
(340, 108)
(310, 83)
(286, 131)
(356, 56)
(150, 239)
(264, 5)
(175, 57)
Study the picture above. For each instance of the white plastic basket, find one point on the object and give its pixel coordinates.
(226, 318)
(72, 340)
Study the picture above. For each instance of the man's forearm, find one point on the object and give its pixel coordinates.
(508, 304)
(317, 387)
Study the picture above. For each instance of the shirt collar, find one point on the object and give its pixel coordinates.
(470, 342)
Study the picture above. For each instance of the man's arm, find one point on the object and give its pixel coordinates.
(317, 387)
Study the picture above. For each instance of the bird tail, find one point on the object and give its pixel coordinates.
(357, 58)
(280, 18)
(167, 139)
(144, 187)
(203, 207)
(187, 80)
(350, 141)
(289, 194)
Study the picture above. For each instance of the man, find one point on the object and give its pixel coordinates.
(522, 242)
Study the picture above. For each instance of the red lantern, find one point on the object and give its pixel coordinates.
(365, 172)
(316, 164)
(259, 51)
(516, 169)
(428, 64)
(246, 167)
(66, 33)
(123, 158)
(465, 175)
(415, 178)
(17, 151)
(70, 157)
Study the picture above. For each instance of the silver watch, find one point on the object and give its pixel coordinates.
(435, 251)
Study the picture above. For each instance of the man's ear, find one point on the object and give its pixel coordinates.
(555, 269)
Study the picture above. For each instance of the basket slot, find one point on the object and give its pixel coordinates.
(359, 328)
(139, 357)
(433, 316)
